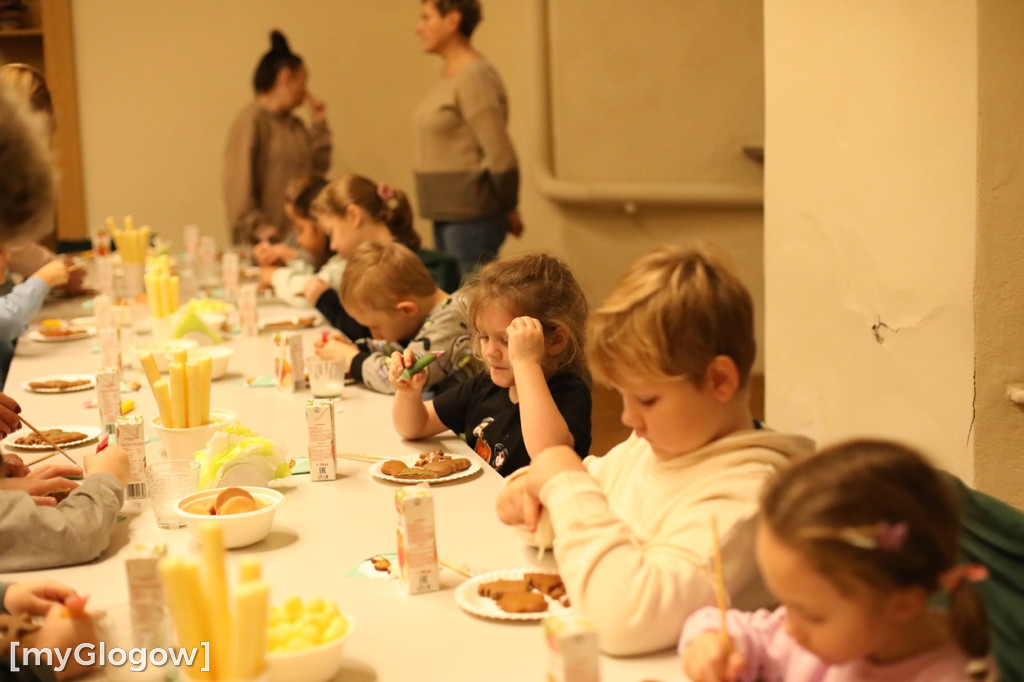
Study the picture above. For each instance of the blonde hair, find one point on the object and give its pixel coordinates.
(28, 84)
(815, 506)
(538, 286)
(377, 276)
(668, 317)
(383, 204)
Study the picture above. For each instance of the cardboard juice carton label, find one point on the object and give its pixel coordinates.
(289, 374)
(320, 424)
(572, 649)
(145, 589)
(417, 546)
(108, 397)
(130, 433)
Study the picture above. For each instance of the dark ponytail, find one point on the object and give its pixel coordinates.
(279, 57)
(396, 213)
(968, 623)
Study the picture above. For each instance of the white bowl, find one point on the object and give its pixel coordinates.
(239, 530)
(221, 355)
(161, 350)
(183, 443)
(316, 664)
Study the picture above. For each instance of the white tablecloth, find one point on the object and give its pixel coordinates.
(325, 529)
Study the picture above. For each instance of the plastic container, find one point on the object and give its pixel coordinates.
(316, 664)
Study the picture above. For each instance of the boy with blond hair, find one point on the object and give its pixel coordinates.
(632, 529)
(387, 289)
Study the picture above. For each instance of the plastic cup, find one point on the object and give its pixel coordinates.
(169, 481)
(326, 377)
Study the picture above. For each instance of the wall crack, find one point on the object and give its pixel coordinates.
(880, 328)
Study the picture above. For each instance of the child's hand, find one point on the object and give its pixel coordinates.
(267, 274)
(526, 341)
(9, 419)
(14, 466)
(338, 350)
(62, 630)
(706, 659)
(76, 277)
(112, 460)
(54, 273)
(399, 363)
(45, 479)
(36, 598)
(516, 506)
(313, 289)
(548, 463)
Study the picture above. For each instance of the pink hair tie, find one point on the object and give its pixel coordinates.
(385, 191)
(974, 573)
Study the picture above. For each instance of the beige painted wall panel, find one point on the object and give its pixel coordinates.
(658, 90)
(870, 212)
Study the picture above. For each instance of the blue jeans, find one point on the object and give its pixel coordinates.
(471, 242)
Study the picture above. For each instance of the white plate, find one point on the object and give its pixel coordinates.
(267, 324)
(375, 470)
(61, 377)
(485, 607)
(35, 335)
(91, 434)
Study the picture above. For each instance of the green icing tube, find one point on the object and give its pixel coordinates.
(421, 364)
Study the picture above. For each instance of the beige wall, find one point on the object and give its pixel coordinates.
(652, 90)
(894, 196)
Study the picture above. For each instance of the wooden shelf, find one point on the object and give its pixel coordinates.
(47, 44)
(21, 33)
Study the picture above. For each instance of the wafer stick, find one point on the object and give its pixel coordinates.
(727, 647)
(48, 441)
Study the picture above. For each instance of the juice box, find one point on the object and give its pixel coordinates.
(289, 374)
(108, 397)
(417, 546)
(248, 315)
(145, 589)
(130, 434)
(572, 649)
(320, 424)
(110, 348)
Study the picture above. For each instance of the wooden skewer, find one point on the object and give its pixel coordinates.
(50, 442)
(461, 570)
(720, 588)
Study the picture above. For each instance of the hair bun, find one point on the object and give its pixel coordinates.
(278, 43)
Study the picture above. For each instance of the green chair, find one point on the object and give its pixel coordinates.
(993, 535)
(443, 268)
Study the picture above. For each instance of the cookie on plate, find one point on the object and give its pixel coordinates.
(522, 602)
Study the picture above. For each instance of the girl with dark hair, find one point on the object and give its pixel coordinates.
(854, 542)
(268, 146)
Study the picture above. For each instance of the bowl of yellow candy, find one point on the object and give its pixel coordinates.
(305, 640)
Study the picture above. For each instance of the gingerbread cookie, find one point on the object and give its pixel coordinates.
(522, 602)
(499, 588)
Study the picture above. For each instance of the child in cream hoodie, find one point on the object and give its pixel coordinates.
(632, 529)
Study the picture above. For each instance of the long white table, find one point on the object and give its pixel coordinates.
(325, 529)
